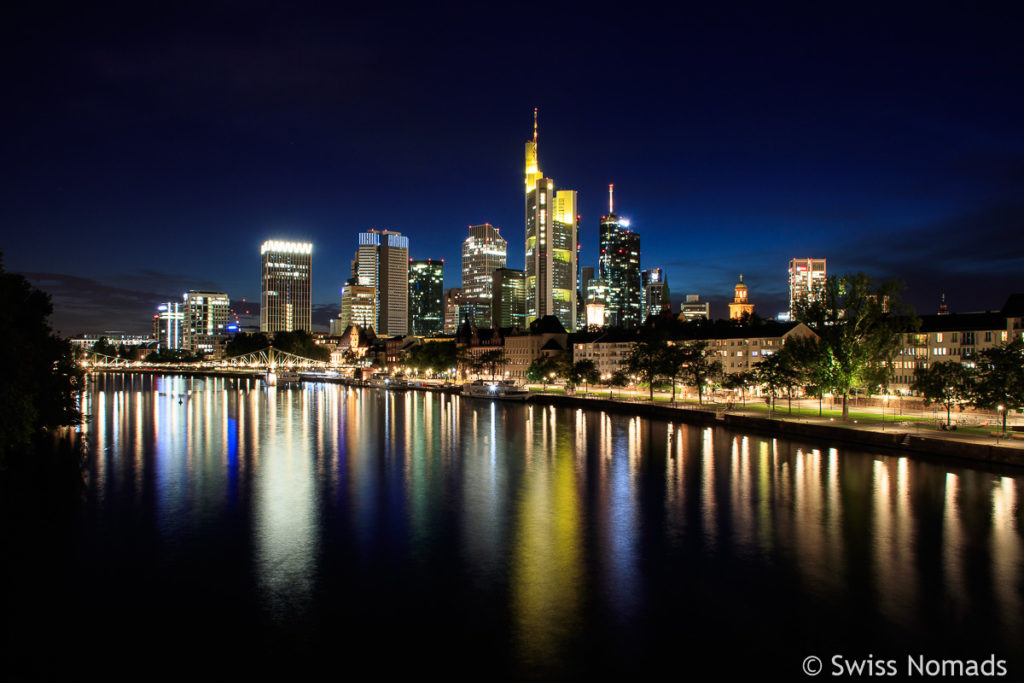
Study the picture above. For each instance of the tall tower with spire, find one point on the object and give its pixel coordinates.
(619, 266)
(552, 230)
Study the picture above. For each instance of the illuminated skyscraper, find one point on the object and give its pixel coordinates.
(483, 252)
(205, 321)
(619, 265)
(382, 262)
(806, 280)
(656, 293)
(426, 297)
(552, 229)
(286, 299)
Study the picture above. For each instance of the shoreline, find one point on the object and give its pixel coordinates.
(896, 440)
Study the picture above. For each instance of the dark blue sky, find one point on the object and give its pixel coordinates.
(152, 151)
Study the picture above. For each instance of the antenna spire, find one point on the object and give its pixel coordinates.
(535, 124)
(611, 189)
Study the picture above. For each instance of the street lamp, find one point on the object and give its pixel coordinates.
(1000, 408)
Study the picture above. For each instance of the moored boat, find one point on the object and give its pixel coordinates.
(502, 389)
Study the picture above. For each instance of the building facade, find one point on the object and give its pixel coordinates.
(452, 307)
(694, 309)
(806, 281)
(552, 230)
(169, 326)
(204, 329)
(358, 307)
(509, 304)
(287, 293)
(426, 297)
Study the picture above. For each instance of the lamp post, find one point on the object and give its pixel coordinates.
(1000, 408)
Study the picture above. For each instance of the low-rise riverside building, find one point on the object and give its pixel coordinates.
(608, 351)
(741, 348)
(545, 337)
(956, 337)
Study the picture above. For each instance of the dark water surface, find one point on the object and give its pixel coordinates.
(339, 533)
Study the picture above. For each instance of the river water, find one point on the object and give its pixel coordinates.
(231, 529)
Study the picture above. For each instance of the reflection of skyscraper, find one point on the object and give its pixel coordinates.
(806, 279)
(426, 297)
(552, 228)
(382, 262)
(619, 265)
(286, 301)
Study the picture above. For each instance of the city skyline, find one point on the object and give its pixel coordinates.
(885, 143)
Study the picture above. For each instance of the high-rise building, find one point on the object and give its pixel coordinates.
(483, 252)
(169, 326)
(382, 262)
(205, 321)
(740, 305)
(286, 300)
(508, 308)
(619, 265)
(426, 297)
(656, 293)
(552, 229)
(806, 281)
(694, 309)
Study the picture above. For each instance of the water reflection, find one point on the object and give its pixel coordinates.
(552, 529)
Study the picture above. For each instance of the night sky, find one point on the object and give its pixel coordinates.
(152, 151)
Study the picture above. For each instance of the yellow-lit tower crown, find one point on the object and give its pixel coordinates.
(533, 173)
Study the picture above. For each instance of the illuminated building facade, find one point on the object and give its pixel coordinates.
(358, 307)
(452, 306)
(508, 307)
(656, 293)
(619, 266)
(695, 309)
(740, 304)
(205, 322)
(286, 288)
(169, 326)
(426, 297)
(806, 280)
(552, 230)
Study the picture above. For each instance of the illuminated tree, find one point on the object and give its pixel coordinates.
(947, 383)
(999, 379)
(860, 325)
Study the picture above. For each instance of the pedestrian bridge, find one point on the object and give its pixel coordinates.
(258, 362)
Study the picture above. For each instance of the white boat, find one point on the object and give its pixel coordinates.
(483, 388)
